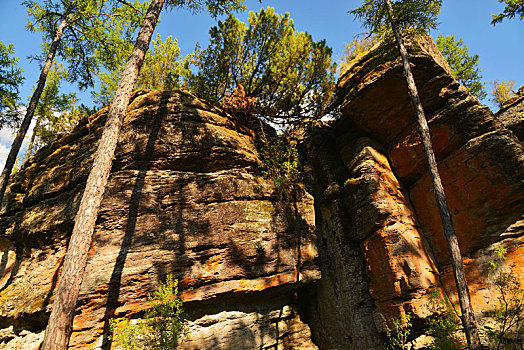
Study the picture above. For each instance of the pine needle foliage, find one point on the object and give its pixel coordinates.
(409, 14)
(290, 75)
(513, 8)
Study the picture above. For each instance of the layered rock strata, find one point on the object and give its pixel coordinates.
(377, 184)
(183, 198)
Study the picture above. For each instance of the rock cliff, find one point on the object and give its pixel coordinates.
(259, 270)
(382, 248)
(183, 199)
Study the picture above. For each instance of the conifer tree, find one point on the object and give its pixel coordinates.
(60, 323)
(463, 65)
(81, 32)
(286, 73)
(377, 15)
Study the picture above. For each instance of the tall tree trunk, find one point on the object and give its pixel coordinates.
(468, 319)
(22, 131)
(33, 137)
(59, 327)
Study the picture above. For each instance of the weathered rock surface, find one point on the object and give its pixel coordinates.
(512, 115)
(183, 198)
(374, 199)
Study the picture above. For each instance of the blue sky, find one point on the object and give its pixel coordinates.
(501, 48)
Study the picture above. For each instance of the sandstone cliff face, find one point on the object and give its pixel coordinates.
(375, 204)
(183, 199)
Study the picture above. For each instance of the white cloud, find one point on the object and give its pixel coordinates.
(4, 151)
(6, 140)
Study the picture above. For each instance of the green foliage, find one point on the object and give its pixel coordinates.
(213, 7)
(96, 31)
(463, 65)
(398, 331)
(10, 80)
(163, 326)
(355, 48)
(55, 111)
(509, 313)
(502, 92)
(280, 160)
(290, 75)
(513, 8)
(444, 324)
(163, 69)
(408, 14)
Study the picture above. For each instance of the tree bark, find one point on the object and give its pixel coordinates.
(33, 137)
(60, 323)
(468, 319)
(22, 131)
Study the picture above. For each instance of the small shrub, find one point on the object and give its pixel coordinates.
(163, 325)
(509, 313)
(398, 331)
(502, 92)
(355, 48)
(444, 325)
(280, 160)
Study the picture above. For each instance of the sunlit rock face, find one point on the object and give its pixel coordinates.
(382, 247)
(259, 268)
(184, 199)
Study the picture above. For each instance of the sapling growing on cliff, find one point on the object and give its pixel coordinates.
(163, 326)
(509, 313)
(379, 16)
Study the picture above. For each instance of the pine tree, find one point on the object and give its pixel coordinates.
(60, 323)
(422, 14)
(288, 74)
(463, 65)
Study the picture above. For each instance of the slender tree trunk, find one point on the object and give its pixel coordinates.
(33, 137)
(468, 319)
(22, 131)
(60, 323)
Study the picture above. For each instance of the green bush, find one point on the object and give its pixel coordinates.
(444, 325)
(398, 331)
(280, 160)
(163, 325)
(509, 313)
